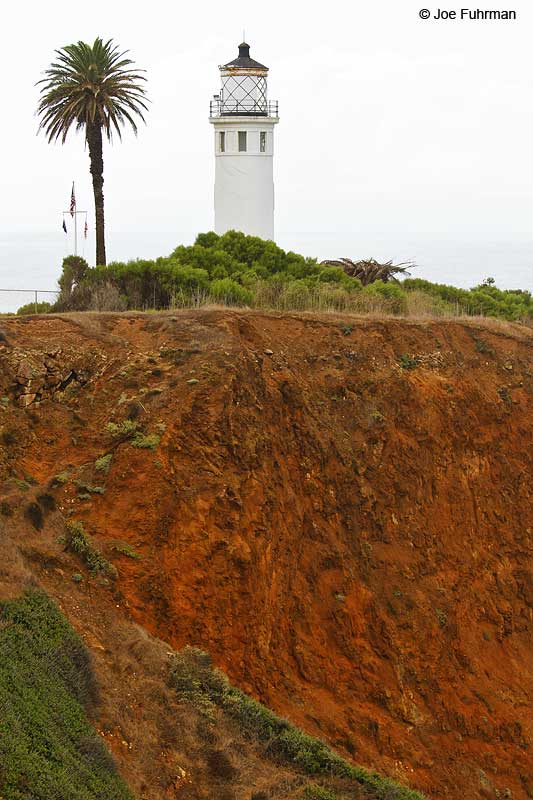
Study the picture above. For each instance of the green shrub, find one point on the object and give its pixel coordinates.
(195, 680)
(78, 542)
(103, 463)
(34, 308)
(24, 486)
(315, 792)
(122, 430)
(128, 430)
(230, 292)
(244, 270)
(60, 479)
(391, 294)
(146, 441)
(47, 747)
(87, 488)
(482, 347)
(408, 362)
(484, 300)
(124, 549)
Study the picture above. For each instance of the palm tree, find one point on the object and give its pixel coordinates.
(370, 270)
(91, 87)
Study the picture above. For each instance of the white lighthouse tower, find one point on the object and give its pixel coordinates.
(243, 120)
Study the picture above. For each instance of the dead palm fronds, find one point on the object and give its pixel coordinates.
(370, 270)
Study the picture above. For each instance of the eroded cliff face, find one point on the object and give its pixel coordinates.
(339, 510)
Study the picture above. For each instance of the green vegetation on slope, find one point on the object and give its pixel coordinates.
(207, 688)
(47, 747)
(235, 269)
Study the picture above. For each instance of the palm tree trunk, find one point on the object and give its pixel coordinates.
(94, 140)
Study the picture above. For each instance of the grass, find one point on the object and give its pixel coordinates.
(195, 680)
(47, 747)
(78, 542)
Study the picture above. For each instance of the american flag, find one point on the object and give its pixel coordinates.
(72, 201)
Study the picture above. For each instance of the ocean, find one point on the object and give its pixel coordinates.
(33, 261)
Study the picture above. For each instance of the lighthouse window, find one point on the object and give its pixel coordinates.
(222, 141)
(262, 142)
(242, 141)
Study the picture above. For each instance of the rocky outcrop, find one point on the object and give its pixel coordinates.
(47, 373)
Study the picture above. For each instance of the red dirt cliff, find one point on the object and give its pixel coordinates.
(339, 510)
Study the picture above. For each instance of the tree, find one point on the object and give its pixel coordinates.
(370, 270)
(93, 88)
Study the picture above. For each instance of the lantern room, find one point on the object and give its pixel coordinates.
(243, 90)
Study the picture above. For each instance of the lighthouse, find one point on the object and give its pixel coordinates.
(243, 120)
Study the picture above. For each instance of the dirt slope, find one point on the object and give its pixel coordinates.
(338, 510)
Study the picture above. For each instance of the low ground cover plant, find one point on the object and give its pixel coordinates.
(48, 749)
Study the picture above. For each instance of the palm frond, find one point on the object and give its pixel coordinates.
(369, 270)
(88, 84)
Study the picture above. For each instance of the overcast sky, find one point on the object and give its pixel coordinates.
(388, 121)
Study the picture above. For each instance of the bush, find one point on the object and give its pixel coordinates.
(103, 463)
(128, 430)
(124, 549)
(241, 270)
(47, 747)
(34, 308)
(484, 300)
(408, 362)
(393, 295)
(78, 542)
(107, 297)
(122, 430)
(230, 292)
(146, 441)
(314, 792)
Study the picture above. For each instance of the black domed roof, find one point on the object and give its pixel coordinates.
(244, 61)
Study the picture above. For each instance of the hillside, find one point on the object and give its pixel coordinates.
(336, 509)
